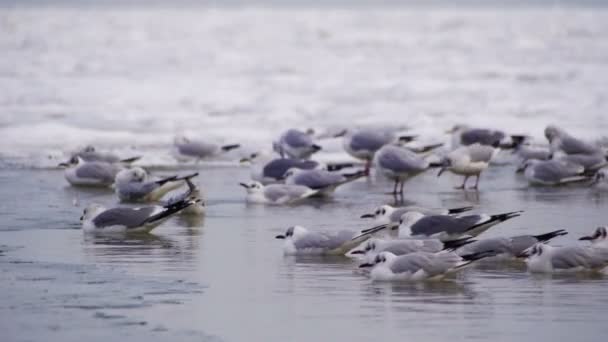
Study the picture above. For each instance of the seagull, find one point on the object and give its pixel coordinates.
(299, 240)
(193, 193)
(386, 214)
(98, 219)
(599, 239)
(364, 143)
(443, 227)
(400, 164)
(560, 140)
(372, 247)
(79, 172)
(419, 266)
(543, 258)
(463, 135)
(90, 154)
(135, 185)
(553, 172)
(509, 247)
(186, 149)
(469, 161)
(276, 193)
(296, 144)
(324, 181)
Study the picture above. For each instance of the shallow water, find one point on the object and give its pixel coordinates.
(128, 79)
(224, 277)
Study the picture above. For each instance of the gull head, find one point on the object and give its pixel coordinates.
(552, 132)
(253, 187)
(75, 160)
(409, 218)
(91, 211)
(538, 250)
(600, 176)
(136, 174)
(383, 212)
(600, 234)
(293, 232)
(180, 140)
(369, 246)
(382, 258)
(257, 157)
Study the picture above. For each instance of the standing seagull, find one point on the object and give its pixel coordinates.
(98, 219)
(469, 161)
(276, 193)
(135, 185)
(463, 135)
(324, 181)
(553, 172)
(299, 240)
(543, 258)
(444, 227)
(267, 170)
(419, 266)
(560, 140)
(186, 149)
(79, 172)
(400, 164)
(364, 143)
(296, 144)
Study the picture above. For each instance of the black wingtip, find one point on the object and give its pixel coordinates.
(550, 235)
(316, 148)
(479, 255)
(226, 148)
(407, 138)
(459, 210)
(506, 216)
(130, 160)
(455, 244)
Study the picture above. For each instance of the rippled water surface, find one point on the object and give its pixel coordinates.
(128, 79)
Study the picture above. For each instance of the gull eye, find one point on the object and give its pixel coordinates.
(253, 155)
(377, 212)
(383, 211)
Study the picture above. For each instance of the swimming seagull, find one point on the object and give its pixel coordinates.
(444, 227)
(599, 239)
(560, 140)
(276, 193)
(509, 247)
(98, 219)
(372, 247)
(469, 161)
(186, 149)
(325, 182)
(193, 193)
(79, 172)
(543, 258)
(89, 153)
(267, 169)
(296, 144)
(419, 266)
(400, 164)
(299, 240)
(135, 185)
(463, 135)
(386, 214)
(364, 143)
(553, 172)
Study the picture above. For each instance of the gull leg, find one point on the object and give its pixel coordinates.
(395, 187)
(401, 189)
(464, 182)
(475, 187)
(368, 165)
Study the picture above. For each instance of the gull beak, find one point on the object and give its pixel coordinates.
(524, 254)
(340, 134)
(520, 169)
(81, 218)
(357, 252)
(366, 265)
(451, 130)
(367, 216)
(244, 160)
(64, 164)
(244, 185)
(586, 238)
(280, 237)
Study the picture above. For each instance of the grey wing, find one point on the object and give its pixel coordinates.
(396, 215)
(277, 192)
(135, 191)
(407, 246)
(521, 243)
(435, 224)
(295, 138)
(277, 167)
(400, 160)
(588, 161)
(318, 179)
(338, 239)
(312, 240)
(499, 245)
(128, 217)
(369, 140)
(599, 257)
(95, 170)
(554, 171)
(480, 153)
(441, 263)
(481, 136)
(571, 257)
(571, 145)
(197, 149)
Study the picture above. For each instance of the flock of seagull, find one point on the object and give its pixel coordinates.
(407, 243)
